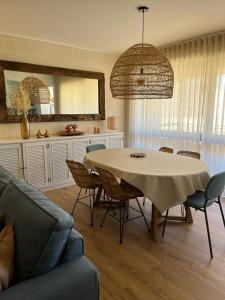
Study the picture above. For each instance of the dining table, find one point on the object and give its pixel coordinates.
(163, 178)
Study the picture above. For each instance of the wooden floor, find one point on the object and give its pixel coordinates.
(178, 267)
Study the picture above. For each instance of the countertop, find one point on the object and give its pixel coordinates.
(58, 137)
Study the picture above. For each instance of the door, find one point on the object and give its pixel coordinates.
(94, 141)
(59, 153)
(11, 159)
(36, 164)
(79, 149)
(115, 142)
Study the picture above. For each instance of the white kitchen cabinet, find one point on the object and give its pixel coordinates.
(115, 142)
(79, 149)
(99, 140)
(45, 163)
(36, 165)
(11, 158)
(42, 162)
(59, 153)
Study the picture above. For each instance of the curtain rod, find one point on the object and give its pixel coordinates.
(201, 37)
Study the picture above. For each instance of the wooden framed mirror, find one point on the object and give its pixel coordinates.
(56, 94)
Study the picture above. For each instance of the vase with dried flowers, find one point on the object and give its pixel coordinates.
(20, 101)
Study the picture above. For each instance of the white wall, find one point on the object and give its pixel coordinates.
(43, 53)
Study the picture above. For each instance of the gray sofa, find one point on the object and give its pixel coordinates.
(49, 254)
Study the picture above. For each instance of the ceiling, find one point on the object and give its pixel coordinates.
(110, 25)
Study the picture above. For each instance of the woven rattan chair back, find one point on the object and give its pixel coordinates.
(166, 149)
(189, 153)
(111, 185)
(80, 174)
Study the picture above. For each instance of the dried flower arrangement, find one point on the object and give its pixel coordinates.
(20, 100)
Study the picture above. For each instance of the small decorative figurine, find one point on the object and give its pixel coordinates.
(38, 134)
(96, 130)
(46, 134)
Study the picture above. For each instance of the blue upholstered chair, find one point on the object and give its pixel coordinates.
(95, 147)
(203, 199)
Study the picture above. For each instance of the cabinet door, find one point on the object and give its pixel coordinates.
(102, 140)
(59, 152)
(36, 164)
(11, 159)
(115, 142)
(79, 149)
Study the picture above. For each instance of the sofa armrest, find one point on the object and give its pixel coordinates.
(77, 279)
(74, 247)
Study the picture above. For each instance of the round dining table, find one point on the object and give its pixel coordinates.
(164, 178)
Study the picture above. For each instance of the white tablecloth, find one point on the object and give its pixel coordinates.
(164, 178)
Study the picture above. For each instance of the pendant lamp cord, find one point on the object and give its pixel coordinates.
(143, 27)
(142, 38)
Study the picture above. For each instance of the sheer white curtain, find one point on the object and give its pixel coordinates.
(77, 95)
(194, 119)
(213, 129)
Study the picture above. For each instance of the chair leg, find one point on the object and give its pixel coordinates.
(221, 210)
(106, 212)
(110, 201)
(141, 210)
(165, 222)
(122, 215)
(182, 210)
(127, 209)
(76, 201)
(91, 207)
(144, 200)
(123, 221)
(208, 233)
(93, 201)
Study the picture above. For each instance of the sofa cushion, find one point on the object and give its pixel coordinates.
(1, 220)
(5, 177)
(74, 247)
(41, 228)
(7, 250)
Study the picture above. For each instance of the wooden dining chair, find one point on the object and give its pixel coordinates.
(189, 153)
(121, 193)
(84, 180)
(166, 149)
(201, 200)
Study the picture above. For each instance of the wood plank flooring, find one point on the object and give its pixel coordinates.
(177, 267)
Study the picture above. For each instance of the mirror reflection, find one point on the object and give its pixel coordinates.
(49, 94)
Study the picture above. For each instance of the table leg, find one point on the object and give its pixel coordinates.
(158, 219)
(188, 218)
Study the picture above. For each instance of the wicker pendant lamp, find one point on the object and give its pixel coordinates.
(37, 90)
(142, 72)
